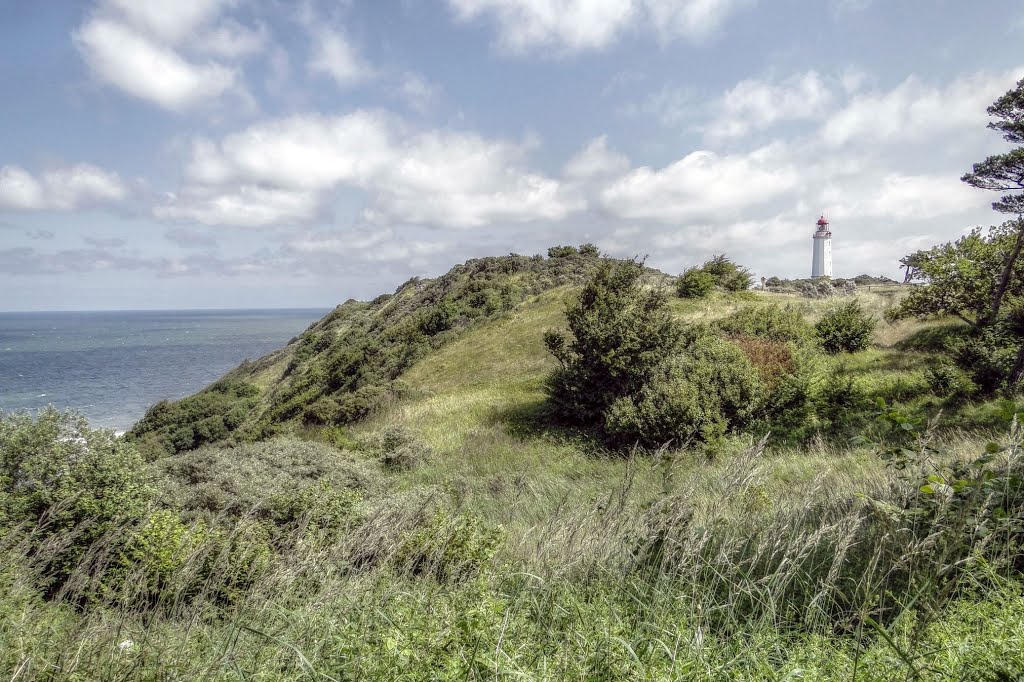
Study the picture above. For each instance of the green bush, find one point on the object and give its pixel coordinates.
(620, 331)
(771, 322)
(562, 251)
(845, 329)
(727, 274)
(946, 380)
(398, 448)
(695, 283)
(254, 478)
(696, 395)
(59, 475)
(448, 546)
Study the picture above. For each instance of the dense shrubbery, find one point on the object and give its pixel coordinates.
(771, 322)
(695, 395)
(346, 366)
(695, 283)
(620, 331)
(206, 417)
(635, 374)
(720, 271)
(845, 329)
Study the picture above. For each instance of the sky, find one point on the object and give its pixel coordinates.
(264, 153)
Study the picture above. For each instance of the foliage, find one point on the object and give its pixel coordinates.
(206, 417)
(257, 478)
(727, 274)
(59, 475)
(1004, 172)
(961, 276)
(398, 449)
(970, 279)
(949, 381)
(845, 329)
(695, 283)
(695, 395)
(448, 546)
(771, 322)
(346, 366)
(620, 331)
(562, 251)
(964, 511)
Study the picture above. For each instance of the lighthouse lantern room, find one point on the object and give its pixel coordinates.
(821, 264)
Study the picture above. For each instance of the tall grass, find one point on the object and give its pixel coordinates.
(753, 570)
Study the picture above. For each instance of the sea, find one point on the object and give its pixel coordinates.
(111, 366)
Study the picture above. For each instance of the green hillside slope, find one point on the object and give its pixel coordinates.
(352, 361)
(390, 497)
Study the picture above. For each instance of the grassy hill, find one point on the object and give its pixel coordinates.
(388, 498)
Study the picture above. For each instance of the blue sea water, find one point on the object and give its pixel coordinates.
(111, 366)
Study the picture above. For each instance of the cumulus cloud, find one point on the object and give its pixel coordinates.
(245, 206)
(596, 160)
(914, 111)
(286, 168)
(60, 189)
(570, 26)
(903, 197)
(702, 185)
(170, 22)
(140, 47)
(756, 104)
(334, 56)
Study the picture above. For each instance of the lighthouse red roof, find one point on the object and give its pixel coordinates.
(822, 222)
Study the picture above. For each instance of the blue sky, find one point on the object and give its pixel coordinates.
(263, 153)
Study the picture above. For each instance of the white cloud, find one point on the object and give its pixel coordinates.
(147, 70)
(904, 197)
(701, 186)
(141, 46)
(61, 189)
(231, 40)
(690, 19)
(569, 26)
(438, 178)
(755, 105)
(244, 206)
(417, 91)
(19, 190)
(596, 160)
(914, 111)
(169, 22)
(333, 56)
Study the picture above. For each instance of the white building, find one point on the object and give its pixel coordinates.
(821, 264)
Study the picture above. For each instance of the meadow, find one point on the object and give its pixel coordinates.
(454, 531)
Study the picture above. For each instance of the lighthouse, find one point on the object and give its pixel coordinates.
(821, 264)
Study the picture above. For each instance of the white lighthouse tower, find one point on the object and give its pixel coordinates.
(821, 265)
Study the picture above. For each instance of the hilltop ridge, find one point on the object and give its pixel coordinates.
(351, 362)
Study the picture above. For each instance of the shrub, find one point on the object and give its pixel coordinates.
(57, 472)
(620, 331)
(448, 546)
(695, 283)
(398, 448)
(697, 394)
(727, 274)
(254, 478)
(771, 322)
(846, 329)
(589, 250)
(562, 251)
(949, 381)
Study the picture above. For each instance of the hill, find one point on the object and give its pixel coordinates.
(389, 497)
